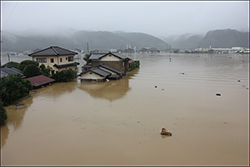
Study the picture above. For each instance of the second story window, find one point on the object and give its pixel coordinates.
(70, 58)
(41, 60)
(52, 60)
(60, 59)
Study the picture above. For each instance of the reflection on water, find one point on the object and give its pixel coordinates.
(119, 122)
(112, 90)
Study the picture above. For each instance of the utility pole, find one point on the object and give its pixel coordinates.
(87, 47)
(9, 56)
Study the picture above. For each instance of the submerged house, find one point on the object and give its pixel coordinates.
(116, 61)
(100, 73)
(56, 57)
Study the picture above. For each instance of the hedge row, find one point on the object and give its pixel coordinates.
(134, 64)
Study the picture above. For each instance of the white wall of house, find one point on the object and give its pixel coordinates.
(110, 57)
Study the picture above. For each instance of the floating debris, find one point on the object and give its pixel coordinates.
(238, 80)
(155, 86)
(31, 91)
(20, 106)
(218, 94)
(164, 131)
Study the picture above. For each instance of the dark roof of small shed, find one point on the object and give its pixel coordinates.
(53, 51)
(6, 70)
(40, 80)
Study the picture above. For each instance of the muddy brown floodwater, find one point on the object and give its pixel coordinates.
(119, 122)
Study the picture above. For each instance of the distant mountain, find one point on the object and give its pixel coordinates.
(143, 40)
(225, 38)
(185, 41)
(102, 40)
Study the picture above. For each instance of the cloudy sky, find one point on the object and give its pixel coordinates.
(161, 18)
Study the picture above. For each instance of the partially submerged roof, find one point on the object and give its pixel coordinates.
(97, 56)
(110, 68)
(53, 51)
(98, 71)
(66, 65)
(7, 70)
(40, 80)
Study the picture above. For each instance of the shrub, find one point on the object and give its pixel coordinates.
(65, 75)
(134, 64)
(14, 88)
(24, 63)
(31, 70)
(3, 115)
(45, 71)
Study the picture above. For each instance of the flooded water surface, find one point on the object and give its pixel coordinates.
(119, 122)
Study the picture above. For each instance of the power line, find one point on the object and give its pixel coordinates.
(10, 15)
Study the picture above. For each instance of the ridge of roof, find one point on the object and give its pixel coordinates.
(99, 56)
(98, 71)
(52, 47)
(53, 50)
(110, 68)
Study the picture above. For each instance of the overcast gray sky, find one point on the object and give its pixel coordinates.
(160, 18)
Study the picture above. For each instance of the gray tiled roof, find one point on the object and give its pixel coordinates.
(100, 72)
(53, 51)
(99, 56)
(5, 71)
(110, 68)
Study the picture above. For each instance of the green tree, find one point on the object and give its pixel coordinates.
(14, 88)
(31, 70)
(65, 75)
(45, 71)
(3, 115)
(210, 51)
(176, 51)
(86, 57)
(12, 64)
(24, 63)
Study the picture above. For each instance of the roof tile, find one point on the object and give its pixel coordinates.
(53, 51)
(40, 80)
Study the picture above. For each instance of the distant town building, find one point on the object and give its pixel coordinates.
(149, 50)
